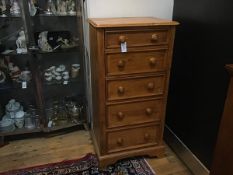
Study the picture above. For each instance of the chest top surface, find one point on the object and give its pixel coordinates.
(130, 22)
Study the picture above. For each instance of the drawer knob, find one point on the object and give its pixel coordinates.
(121, 90)
(150, 86)
(152, 61)
(120, 141)
(122, 38)
(121, 64)
(149, 111)
(147, 136)
(120, 115)
(154, 37)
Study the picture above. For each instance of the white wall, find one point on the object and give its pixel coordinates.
(129, 8)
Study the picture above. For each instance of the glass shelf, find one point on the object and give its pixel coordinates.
(10, 16)
(13, 53)
(68, 15)
(19, 131)
(64, 126)
(73, 49)
(60, 83)
(13, 85)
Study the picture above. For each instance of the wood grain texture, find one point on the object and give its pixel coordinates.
(135, 87)
(129, 22)
(222, 162)
(229, 67)
(123, 140)
(136, 62)
(132, 113)
(136, 37)
(131, 78)
(37, 151)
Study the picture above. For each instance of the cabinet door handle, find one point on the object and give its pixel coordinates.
(150, 86)
(120, 115)
(149, 111)
(122, 39)
(146, 136)
(152, 61)
(121, 64)
(121, 90)
(154, 37)
(120, 141)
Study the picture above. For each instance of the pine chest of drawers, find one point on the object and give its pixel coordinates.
(130, 65)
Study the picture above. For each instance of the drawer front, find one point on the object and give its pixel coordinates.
(136, 62)
(134, 38)
(136, 87)
(132, 138)
(134, 113)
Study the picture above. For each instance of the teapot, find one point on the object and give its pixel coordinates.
(12, 108)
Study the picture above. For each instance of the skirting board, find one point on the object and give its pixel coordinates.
(183, 152)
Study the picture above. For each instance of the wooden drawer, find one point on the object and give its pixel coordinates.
(136, 62)
(135, 87)
(135, 38)
(133, 138)
(134, 113)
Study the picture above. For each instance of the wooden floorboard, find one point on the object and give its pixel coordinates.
(36, 151)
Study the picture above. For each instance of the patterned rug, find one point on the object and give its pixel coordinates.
(88, 165)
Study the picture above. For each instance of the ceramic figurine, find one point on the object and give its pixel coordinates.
(71, 7)
(21, 43)
(43, 42)
(51, 9)
(61, 7)
(58, 4)
(32, 8)
(48, 9)
(15, 9)
(3, 8)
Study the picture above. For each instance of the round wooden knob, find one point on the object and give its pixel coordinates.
(120, 141)
(121, 64)
(121, 90)
(150, 86)
(122, 38)
(149, 111)
(152, 61)
(146, 136)
(120, 115)
(154, 37)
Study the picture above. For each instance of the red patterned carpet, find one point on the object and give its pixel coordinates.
(88, 165)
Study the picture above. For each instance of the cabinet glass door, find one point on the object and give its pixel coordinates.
(18, 105)
(56, 27)
(41, 66)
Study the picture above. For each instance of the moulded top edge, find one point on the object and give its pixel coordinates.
(130, 21)
(229, 67)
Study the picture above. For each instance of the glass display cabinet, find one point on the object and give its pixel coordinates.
(42, 81)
